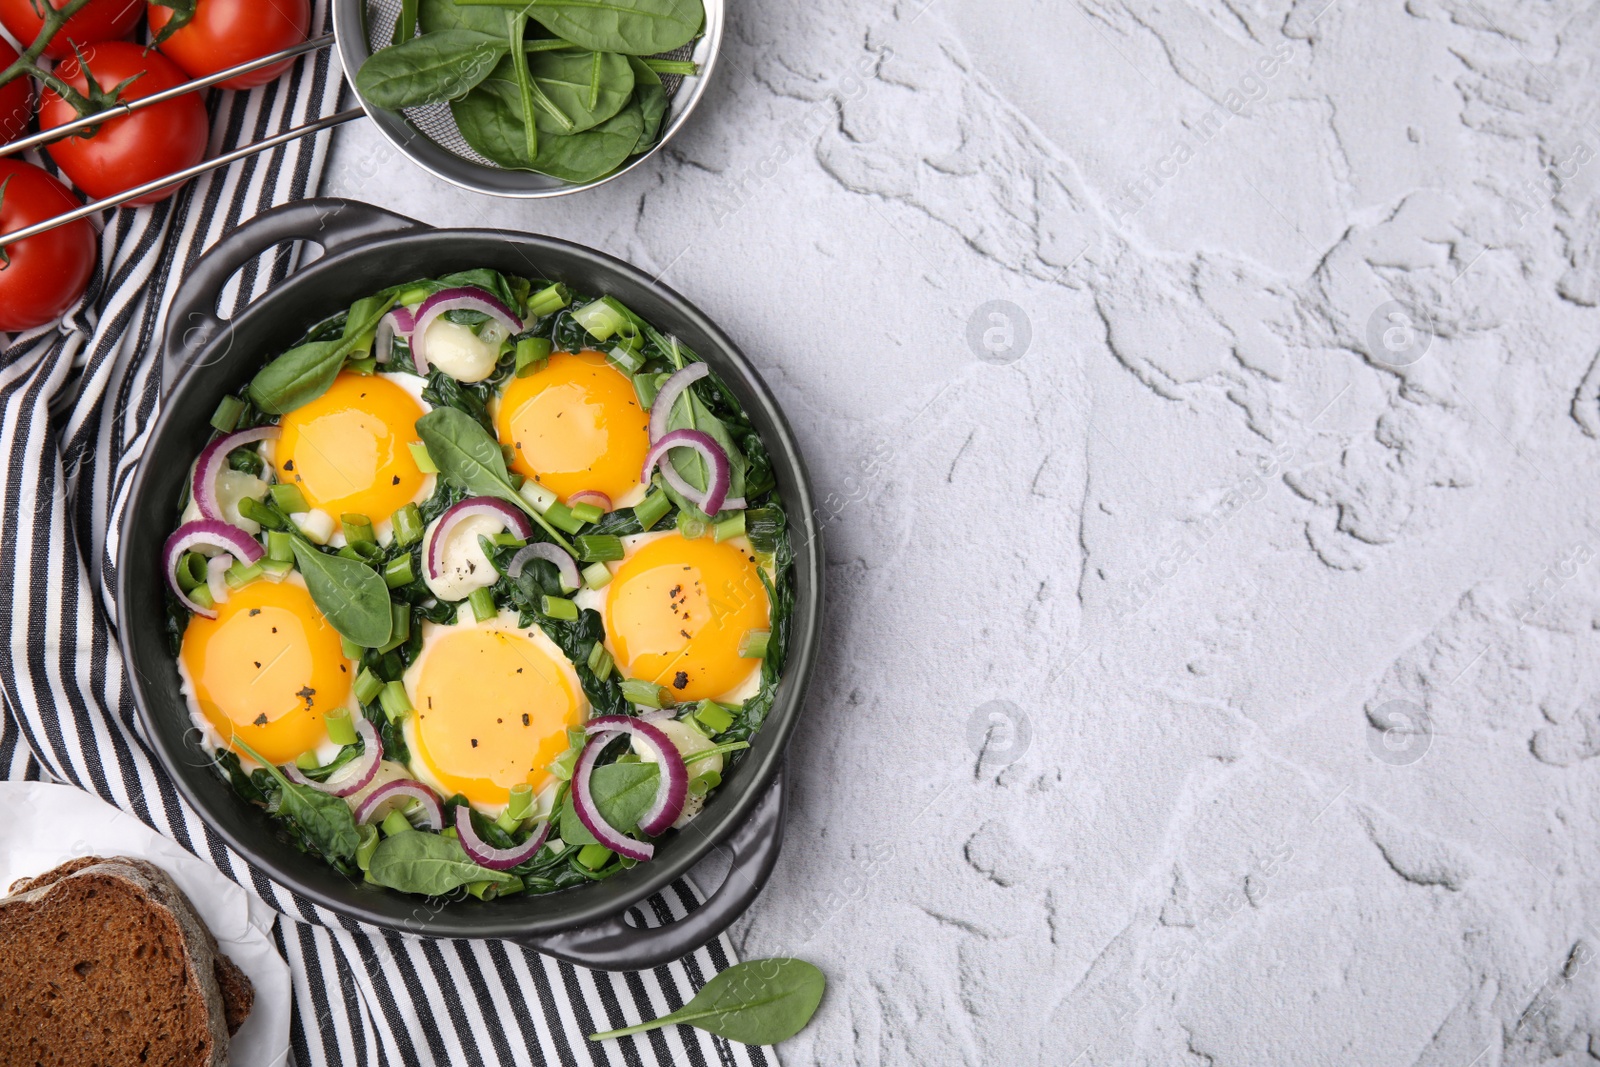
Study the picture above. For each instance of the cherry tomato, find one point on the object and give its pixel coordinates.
(136, 148)
(225, 33)
(47, 273)
(16, 99)
(101, 20)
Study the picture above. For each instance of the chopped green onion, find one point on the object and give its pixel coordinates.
(368, 686)
(398, 572)
(396, 704)
(764, 526)
(727, 528)
(508, 540)
(588, 512)
(247, 460)
(691, 525)
(340, 729)
(226, 417)
(365, 366)
(275, 570)
(407, 525)
(307, 761)
(625, 359)
(516, 478)
(520, 804)
(357, 528)
(350, 649)
(415, 295)
(396, 823)
(538, 497)
(191, 571)
(558, 608)
(400, 627)
(507, 821)
(561, 517)
(562, 765)
(714, 716)
(547, 301)
(593, 548)
(638, 691)
(594, 856)
(349, 552)
(280, 546)
(652, 508)
(596, 576)
(201, 596)
(482, 601)
(289, 498)
(532, 352)
(238, 577)
(701, 784)
(600, 319)
(256, 510)
(753, 645)
(366, 844)
(647, 386)
(484, 890)
(419, 453)
(600, 661)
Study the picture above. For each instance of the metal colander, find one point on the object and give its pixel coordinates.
(429, 137)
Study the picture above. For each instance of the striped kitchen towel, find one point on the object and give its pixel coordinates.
(76, 400)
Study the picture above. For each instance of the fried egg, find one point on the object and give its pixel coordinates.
(267, 668)
(349, 449)
(577, 425)
(675, 612)
(493, 702)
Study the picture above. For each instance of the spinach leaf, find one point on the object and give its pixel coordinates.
(564, 78)
(490, 281)
(429, 69)
(652, 102)
(490, 119)
(622, 792)
(466, 455)
(350, 594)
(582, 157)
(419, 861)
(633, 27)
(691, 413)
(436, 15)
(305, 372)
(758, 1002)
(325, 818)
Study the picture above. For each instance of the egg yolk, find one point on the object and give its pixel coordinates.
(492, 711)
(348, 450)
(576, 425)
(677, 610)
(266, 668)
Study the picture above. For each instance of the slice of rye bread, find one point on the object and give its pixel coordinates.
(104, 961)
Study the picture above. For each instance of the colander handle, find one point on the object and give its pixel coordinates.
(331, 222)
(614, 945)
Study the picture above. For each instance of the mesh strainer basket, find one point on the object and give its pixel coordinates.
(429, 137)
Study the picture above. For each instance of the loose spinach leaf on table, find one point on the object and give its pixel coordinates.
(325, 818)
(350, 594)
(622, 792)
(633, 27)
(427, 863)
(429, 69)
(758, 1002)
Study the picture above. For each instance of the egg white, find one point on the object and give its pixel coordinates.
(505, 621)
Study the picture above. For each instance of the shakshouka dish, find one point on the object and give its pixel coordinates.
(483, 586)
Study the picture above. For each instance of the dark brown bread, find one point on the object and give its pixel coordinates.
(105, 963)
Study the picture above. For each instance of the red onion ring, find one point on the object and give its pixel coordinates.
(398, 321)
(719, 472)
(590, 496)
(203, 485)
(472, 507)
(216, 585)
(588, 812)
(467, 298)
(674, 786)
(403, 787)
(565, 564)
(667, 396)
(353, 776)
(206, 533)
(486, 855)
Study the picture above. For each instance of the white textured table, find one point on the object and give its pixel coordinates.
(1257, 517)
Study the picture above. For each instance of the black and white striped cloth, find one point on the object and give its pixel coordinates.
(76, 401)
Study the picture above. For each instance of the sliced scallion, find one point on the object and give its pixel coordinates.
(398, 572)
(639, 691)
(368, 686)
(730, 527)
(596, 576)
(558, 608)
(396, 704)
(226, 418)
(419, 453)
(753, 645)
(289, 498)
(341, 731)
(652, 509)
(482, 601)
(407, 524)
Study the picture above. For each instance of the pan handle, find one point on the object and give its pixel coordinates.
(331, 222)
(614, 945)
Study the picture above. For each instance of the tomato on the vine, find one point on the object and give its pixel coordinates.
(16, 99)
(131, 150)
(225, 33)
(100, 20)
(49, 272)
